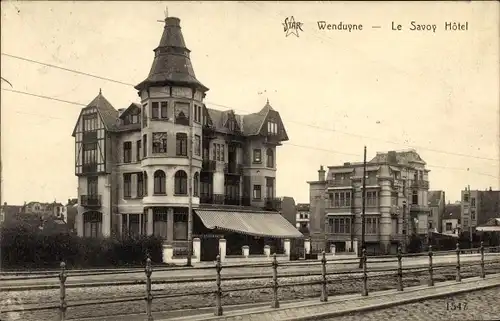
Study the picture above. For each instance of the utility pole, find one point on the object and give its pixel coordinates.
(190, 181)
(406, 227)
(363, 198)
(470, 215)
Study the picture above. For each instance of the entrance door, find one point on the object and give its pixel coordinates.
(209, 249)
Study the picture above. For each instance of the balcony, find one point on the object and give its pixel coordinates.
(397, 237)
(272, 204)
(208, 132)
(420, 184)
(208, 165)
(419, 208)
(89, 168)
(394, 210)
(339, 183)
(89, 136)
(221, 199)
(92, 201)
(233, 169)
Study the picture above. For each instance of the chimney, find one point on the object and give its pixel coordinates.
(321, 174)
(391, 157)
(490, 189)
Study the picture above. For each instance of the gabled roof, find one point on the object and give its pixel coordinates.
(452, 211)
(132, 107)
(250, 124)
(108, 114)
(434, 197)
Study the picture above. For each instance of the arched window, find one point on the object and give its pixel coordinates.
(92, 224)
(196, 181)
(160, 182)
(181, 183)
(270, 157)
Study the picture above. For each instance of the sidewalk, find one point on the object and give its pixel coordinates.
(341, 305)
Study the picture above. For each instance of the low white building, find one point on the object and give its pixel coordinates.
(451, 219)
(302, 216)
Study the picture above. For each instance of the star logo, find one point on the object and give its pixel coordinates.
(292, 27)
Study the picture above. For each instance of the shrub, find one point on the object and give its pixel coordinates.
(23, 246)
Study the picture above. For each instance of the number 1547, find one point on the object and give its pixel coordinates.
(456, 306)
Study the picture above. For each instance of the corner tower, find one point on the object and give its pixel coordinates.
(171, 127)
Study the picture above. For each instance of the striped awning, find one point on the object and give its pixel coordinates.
(250, 223)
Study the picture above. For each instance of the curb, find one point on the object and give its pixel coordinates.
(349, 311)
(380, 306)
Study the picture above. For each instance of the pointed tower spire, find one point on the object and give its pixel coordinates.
(172, 63)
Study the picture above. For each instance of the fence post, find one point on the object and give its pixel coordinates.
(431, 271)
(365, 274)
(400, 269)
(149, 297)
(275, 303)
(62, 286)
(218, 293)
(459, 277)
(483, 274)
(324, 289)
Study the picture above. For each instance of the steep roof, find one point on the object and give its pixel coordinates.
(404, 157)
(452, 211)
(434, 197)
(250, 124)
(108, 113)
(172, 63)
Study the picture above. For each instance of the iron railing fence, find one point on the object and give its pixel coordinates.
(396, 274)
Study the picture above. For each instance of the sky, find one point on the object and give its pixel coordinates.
(336, 91)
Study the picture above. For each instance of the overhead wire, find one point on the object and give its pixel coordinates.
(238, 109)
(286, 143)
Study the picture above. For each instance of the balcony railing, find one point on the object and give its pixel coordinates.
(419, 208)
(420, 184)
(90, 200)
(221, 199)
(233, 169)
(89, 168)
(208, 165)
(89, 136)
(272, 204)
(339, 183)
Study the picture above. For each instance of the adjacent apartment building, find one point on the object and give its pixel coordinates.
(139, 167)
(478, 207)
(303, 212)
(397, 187)
(451, 221)
(437, 205)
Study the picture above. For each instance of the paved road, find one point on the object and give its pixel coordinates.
(478, 305)
(198, 273)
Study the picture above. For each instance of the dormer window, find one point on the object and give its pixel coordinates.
(131, 119)
(272, 128)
